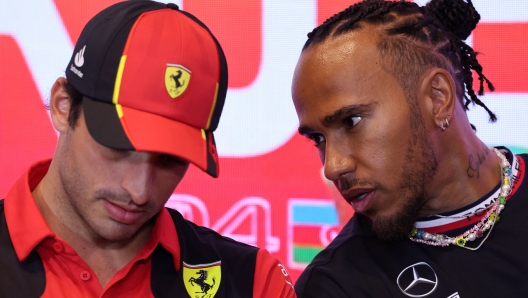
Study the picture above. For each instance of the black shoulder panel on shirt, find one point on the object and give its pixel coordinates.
(18, 279)
(200, 245)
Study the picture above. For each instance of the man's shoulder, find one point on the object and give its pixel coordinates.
(520, 187)
(16, 275)
(201, 248)
(193, 235)
(350, 236)
(523, 157)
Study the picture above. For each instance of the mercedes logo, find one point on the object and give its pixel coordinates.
(418, 280)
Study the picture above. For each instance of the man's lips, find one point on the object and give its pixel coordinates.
(361, 199)
(123, 214)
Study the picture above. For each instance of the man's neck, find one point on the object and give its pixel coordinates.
(465, 175)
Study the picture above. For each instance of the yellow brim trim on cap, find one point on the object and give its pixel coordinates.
(213, 108)
(117, 86)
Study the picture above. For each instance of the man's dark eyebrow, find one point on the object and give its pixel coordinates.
(332, 118)
(347, 110)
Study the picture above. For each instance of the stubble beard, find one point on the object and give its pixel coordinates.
(76, 204)
(419, 169)
(72, 200)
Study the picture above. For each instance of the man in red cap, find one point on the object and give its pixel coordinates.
(143, 93)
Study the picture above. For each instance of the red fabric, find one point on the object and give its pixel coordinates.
(67, 275)
(150, 132)
(179, 42)
(271, 278)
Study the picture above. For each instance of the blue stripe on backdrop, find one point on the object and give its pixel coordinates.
(315, 214)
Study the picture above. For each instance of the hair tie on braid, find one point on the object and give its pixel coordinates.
(456, 16)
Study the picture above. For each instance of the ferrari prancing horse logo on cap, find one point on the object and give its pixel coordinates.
(203, 280)
(177, 79)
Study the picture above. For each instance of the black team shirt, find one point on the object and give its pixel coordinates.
(357, 264)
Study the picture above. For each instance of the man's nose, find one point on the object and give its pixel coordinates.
(139, 178)
(338, 160)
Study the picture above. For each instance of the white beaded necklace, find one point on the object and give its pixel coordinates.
(486, 223)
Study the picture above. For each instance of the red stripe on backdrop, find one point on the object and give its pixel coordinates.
(238, 30)
(75, 14)
(327, 8)
(503, 49)
(310, 235)
(30, 136)
(306, 235)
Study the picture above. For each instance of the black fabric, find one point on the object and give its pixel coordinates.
(357, 264)
(104, 125)
(105, 36)
(212, 155)
(199, 245)
(18, 279)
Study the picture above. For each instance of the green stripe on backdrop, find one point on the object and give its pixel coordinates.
(517, 150)
(305, 254)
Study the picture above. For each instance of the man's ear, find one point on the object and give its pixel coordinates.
(437, 90)
(60, 103)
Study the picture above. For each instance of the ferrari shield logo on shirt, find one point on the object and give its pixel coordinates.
(177, 79)
(202, 280)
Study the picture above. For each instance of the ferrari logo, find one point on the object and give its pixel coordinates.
(202, 281)
(177, 79)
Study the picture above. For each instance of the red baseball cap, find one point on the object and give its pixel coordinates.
(154, 78)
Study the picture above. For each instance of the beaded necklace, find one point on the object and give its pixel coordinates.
(486, 223)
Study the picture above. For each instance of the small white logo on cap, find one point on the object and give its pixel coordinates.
(79, 57)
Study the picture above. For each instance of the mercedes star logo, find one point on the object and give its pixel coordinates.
(418, 280)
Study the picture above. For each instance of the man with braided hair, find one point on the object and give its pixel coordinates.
(382, 89)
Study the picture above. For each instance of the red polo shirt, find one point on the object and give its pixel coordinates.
(67, 275)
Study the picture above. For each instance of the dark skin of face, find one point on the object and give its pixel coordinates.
(381, 145)
(102, 201)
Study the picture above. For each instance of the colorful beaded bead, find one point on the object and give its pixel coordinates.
(492, 217)
(461, 241)
(487, 222)
(419, 234)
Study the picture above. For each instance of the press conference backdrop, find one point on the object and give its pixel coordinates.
(270, 192)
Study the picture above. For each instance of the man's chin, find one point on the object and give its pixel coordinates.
(117, 232)
(392, 228)
(115, 236)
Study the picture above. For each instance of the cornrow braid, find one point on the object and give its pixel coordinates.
(420, 37)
